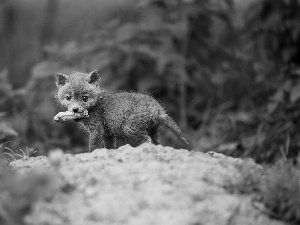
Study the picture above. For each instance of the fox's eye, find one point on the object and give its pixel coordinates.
(68, 97)
(85, 98)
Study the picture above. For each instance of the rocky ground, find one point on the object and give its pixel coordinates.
(144, 186)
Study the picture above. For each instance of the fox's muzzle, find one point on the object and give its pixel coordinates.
(75, 108)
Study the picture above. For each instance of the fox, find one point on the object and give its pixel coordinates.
(109, 116)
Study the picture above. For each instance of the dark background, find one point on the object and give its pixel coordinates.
(226, 71)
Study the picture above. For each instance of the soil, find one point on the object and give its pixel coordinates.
(146, 185)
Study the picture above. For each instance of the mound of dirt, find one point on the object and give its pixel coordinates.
(144, 185)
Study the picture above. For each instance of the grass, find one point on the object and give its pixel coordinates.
(18, 192)
(276, 188)
(280, 191)
(24, 153)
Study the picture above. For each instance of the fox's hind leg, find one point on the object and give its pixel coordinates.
(135, 134)
(110, 141)
(154, 132)
(142, 137)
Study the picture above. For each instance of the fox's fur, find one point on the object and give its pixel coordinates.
(112, 115)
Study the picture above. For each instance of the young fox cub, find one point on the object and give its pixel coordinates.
(127, 116)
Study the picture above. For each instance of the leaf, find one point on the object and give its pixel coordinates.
(296, 72)
(2, 115)
(179, 29)
(99, 61)
(125, 33)
(69, 50)
(271, 107)
(219, 79)
(295, 93)
(228, 147)
(6, 131)
(148, 84)
(279, 96)
(287, 86)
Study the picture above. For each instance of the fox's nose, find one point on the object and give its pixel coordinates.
(75, 110)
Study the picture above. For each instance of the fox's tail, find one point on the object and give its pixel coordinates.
(170, 123)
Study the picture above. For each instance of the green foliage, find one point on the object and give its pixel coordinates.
(280, 192)
(275, 27)
(19, 154)
(277, 22)
(6, 132)
(28, 117)
(271, 35)
(283, 117)
(19, 192)
(277, 187)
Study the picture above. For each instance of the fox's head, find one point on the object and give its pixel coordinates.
(78, 91)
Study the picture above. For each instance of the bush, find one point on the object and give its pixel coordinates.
(280, 191)
(18, 193)
(276, 187)
(275, 28)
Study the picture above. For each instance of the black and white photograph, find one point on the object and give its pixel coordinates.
(149, 112)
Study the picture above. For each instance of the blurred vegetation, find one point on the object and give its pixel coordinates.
(19, 192)
(226, 71)
(280, 192)
(276, 188)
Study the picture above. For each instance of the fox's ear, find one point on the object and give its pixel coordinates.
(61, 79)
(94, 77)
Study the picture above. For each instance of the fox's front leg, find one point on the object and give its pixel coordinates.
(95, 140)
